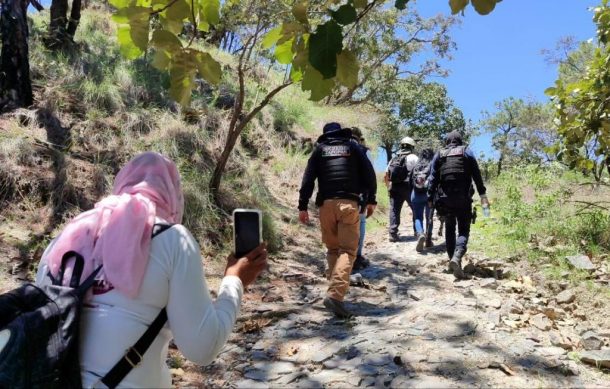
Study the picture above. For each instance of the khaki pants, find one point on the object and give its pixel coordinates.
(340, 225)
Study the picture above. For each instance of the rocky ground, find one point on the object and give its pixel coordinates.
(415, 327)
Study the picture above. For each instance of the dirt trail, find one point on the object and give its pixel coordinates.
(415, 327)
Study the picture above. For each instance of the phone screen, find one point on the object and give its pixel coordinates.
(247, 231)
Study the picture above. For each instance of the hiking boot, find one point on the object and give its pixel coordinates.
(394, 237)
(455, 265)
(337, 307)
(429, 243)
(421, 239)
(360, 263)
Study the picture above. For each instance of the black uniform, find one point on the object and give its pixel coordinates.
(342, 169)
(453, 170)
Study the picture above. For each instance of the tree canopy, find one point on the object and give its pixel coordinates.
(308, 36)
(582, 104)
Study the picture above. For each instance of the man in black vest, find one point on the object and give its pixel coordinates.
(343, 172)
(450, 190)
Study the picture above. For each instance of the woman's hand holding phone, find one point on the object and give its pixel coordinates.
(248, 267)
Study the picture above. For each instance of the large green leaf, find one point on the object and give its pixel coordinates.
(289, 31)
(484, 7)
(125, 15)
(458, 5)
(284, 53)
(272, 37)
(126, 44)
(299, 11)
(120, 3)
(324, 45)
(316, 84)
(360, 3)
(182, 77)
(140, 29)
(318, 87)
(179, 11)
(401, 4)
(209, 68)
(210, 11)
(160, 60)
(165, 40)
(133, 31)
(172, 25)
(347, 69)
(346, 14)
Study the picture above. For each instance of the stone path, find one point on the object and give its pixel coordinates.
(416, 327)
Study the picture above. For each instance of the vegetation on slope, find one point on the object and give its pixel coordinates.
(96, 110)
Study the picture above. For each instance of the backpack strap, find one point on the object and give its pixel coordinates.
(77, 270)
(134, 355)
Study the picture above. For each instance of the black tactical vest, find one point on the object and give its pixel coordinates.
(454, 167)
(338, 169)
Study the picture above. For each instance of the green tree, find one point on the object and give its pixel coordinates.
(419, 109)
(571, 57)
(387, 42)
(308, 37)
(582, 102)
(522, 131)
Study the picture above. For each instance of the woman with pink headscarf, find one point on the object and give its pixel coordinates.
(140, 276)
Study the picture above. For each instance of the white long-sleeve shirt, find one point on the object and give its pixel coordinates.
(174, 278)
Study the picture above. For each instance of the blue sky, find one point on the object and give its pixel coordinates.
(498, 55)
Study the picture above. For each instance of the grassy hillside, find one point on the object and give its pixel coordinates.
(545, 215)
(94, 111)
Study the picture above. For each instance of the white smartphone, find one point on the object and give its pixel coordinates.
(247, 230)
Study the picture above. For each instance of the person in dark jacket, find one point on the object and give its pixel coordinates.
(343, 172)
(450, 191)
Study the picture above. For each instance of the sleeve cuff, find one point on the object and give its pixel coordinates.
(231, 287)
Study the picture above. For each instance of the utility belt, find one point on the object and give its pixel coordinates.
(320, 197)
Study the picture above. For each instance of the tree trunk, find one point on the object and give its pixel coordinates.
(74, 19)
(221, 164)
(15, 84)
(62, 29)
(388, 152)
(500, 161)
(57, 26)
(235, 129)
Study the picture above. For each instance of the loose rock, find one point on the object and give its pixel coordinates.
(541, 322)
(597, 358)
(581, 262)
(566, 297)
(489, 283)
(591, 341)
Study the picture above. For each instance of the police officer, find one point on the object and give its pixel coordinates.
(398, 183)
(450, 190)
(343, 172)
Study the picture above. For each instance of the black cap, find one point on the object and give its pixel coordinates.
(454, 138)
(331, 127)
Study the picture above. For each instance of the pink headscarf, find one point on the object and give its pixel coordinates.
(117, 232)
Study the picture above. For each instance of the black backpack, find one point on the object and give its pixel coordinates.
(420, 175)
(398, 170)
(42, 328)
